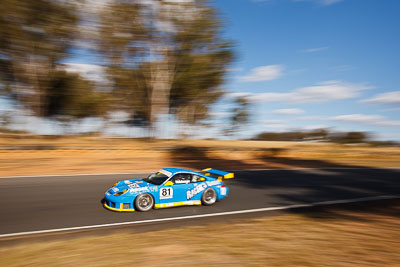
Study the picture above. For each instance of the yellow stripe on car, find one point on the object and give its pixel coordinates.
(162, 205)
(115, 209)
(175, 204)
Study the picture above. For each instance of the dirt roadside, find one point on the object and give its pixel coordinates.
(38, 155)
(349, 235)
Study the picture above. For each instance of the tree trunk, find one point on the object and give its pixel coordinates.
(160, 81)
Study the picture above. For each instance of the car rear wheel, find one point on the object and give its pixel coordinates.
(209, 197)
(144, 202)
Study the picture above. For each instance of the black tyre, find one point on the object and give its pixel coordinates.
(144, 202)
(209, 197)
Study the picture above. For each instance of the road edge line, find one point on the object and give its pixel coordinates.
(294, 206)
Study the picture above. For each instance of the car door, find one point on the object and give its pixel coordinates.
(177, 191)
(198, 185)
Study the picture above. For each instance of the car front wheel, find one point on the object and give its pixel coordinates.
(144, 202)
(209, 197)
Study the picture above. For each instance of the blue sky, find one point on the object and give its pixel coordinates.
(316, 63)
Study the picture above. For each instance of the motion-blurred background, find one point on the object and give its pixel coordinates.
(115, 87)
(74, 75)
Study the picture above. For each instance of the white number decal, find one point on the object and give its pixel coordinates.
(166, 192)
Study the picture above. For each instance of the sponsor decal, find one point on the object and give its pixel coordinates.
(153, 189)
(139, 189)
(115, 189)
(199, 188)
(211, 183)
(107, 194)
(133, 185)
(182, 181)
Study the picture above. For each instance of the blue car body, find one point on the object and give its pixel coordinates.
(179, 187)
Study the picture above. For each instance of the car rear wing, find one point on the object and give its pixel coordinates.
(220, 175)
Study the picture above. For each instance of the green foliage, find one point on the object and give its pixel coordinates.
(71, 96)
(164, 57)
(315, 135)
(162, 61)
(350, 137)
(291, 136)
(240, 115)
(34, 36)
(130, 92)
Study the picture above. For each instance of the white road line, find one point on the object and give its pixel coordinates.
(295, 206)
(144, 172)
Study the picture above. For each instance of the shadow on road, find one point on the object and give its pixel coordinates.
(362, 212)
(297, 186)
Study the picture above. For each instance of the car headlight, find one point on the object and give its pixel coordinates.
(120, 193)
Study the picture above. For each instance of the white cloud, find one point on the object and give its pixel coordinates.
(385, 98)
(322, 92)
(376, 120)
(320, 2)
(272, 121)
(288, 111)
(316, 49)
(312, 118)
(314, 127)
(390, 109)
(263, 73)
(367, 119)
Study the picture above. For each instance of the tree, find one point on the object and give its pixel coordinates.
(34, 36)
(240, 115)
(350, 137)
(165, 57)
(70, 95)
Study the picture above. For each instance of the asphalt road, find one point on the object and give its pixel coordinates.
(41, 203)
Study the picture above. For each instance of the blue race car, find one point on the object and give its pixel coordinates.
(168, 187)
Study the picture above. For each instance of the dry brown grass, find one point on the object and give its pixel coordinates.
(322, 238)
(35, 155)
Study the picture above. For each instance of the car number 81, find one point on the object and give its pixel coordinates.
(166, 193)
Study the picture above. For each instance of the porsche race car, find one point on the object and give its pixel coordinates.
(168, 187)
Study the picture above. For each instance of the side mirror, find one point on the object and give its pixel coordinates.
(169, 183)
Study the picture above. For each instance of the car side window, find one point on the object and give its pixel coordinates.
(196, 178)
(182, 178)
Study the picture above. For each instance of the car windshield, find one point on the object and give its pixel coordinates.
(156, 178)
